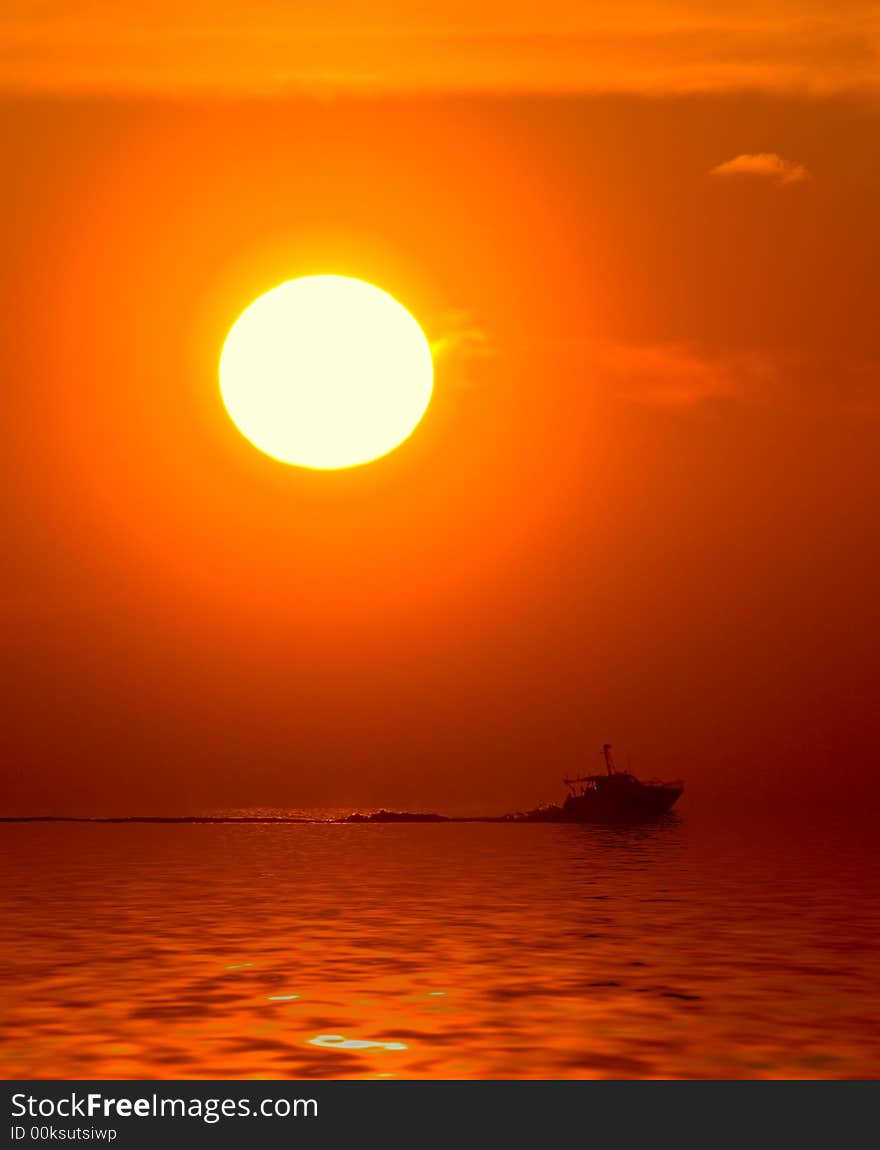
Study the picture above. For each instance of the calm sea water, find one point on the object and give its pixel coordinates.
(453, 951)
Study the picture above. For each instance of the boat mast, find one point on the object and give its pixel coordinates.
(609, 761)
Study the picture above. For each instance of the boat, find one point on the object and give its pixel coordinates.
(616, 795)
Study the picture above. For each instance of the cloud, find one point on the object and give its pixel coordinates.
(672, 375)
(461, 340)
(684, 377)
(766, 164)
(272, 46)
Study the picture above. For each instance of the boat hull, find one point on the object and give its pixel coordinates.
(637, 802)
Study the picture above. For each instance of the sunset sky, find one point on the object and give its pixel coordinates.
(643, 241)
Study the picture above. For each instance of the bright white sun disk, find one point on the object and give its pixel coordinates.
(326, 372)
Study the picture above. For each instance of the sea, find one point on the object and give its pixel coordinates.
(693, 947)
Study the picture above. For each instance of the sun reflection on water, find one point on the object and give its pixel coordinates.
(467, 950)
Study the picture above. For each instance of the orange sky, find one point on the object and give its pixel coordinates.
(641, 507)
(561, 45)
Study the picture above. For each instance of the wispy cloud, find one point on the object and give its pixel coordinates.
(765, 164)
(460, 339)
(271, 46)
(673, 375)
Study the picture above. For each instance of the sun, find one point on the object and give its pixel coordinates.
(326, 372)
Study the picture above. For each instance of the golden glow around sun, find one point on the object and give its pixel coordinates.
(326, 372)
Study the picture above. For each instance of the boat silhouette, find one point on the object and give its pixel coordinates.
(615, 796)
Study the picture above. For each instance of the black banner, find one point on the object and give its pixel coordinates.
(343, 1113)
